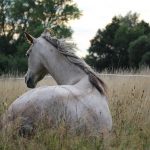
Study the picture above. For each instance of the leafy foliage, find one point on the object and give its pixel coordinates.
(137, 49)
(121, 44)
(17, 16)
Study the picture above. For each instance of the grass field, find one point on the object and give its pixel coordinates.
(129, 100)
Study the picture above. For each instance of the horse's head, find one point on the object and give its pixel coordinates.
(36, 70)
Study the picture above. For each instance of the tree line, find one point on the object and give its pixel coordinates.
(17, 16)
(122, 44)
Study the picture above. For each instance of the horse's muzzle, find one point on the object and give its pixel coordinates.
(29, 82)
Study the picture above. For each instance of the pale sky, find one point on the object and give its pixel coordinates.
(98, 13)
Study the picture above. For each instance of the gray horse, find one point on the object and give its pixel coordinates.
(79, 98)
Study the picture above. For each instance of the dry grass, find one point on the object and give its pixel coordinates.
(129, 99)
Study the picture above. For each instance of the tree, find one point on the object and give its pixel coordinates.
(111, 48)
(17, 16)
(6, 45)
(35, 15)
(102, 48)
(145, 59)
(139, 50)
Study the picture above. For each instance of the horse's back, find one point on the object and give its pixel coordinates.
(57, 102)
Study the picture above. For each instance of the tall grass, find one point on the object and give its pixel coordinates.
(129, 100)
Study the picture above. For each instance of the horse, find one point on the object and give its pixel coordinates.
(79, 98)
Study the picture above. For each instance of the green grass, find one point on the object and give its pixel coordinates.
(129, 100)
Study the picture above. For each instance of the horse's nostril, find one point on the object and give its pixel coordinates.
(30, 83)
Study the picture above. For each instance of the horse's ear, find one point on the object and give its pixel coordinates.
(29, 37)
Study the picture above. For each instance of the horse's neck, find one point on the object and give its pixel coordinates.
(62, 70)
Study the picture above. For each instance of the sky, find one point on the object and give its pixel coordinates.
(96, 14)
